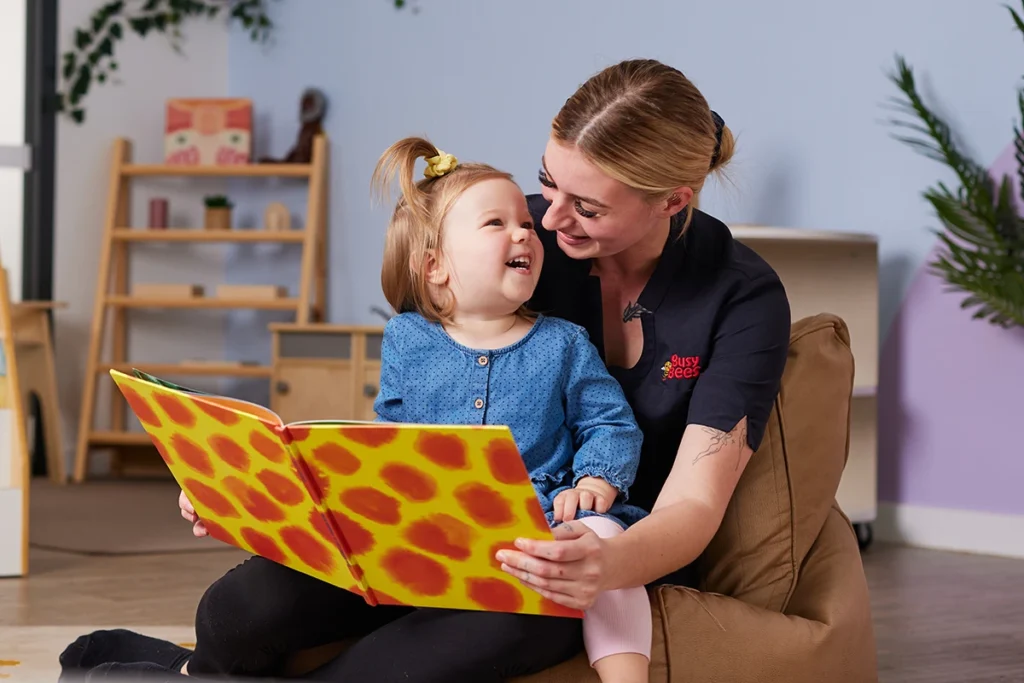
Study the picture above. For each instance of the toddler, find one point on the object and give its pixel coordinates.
(461, 260)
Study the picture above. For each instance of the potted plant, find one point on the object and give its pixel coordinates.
(218, 212)
(982, 254)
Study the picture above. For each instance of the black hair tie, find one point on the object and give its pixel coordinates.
(719, 125)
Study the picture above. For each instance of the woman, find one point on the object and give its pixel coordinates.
(693, 325)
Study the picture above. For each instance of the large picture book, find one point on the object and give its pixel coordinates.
(399, 513)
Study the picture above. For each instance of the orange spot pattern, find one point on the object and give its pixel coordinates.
(226, 417)
(536, 513)
(192, 455)
(359, 540)
(283, 489)
(445, 450)
(176, 410)
(442, 534)
(373, 436)
(336, 458)
(372, 504)
(229, 451)
(267, 447)
(142, 409)
(494, 594)
(409, 482)
(311, 551)
(418, 573)
(409, 506)
(484, 505)
(254, 502)
(504, 462)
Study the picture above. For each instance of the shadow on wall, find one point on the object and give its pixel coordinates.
(774, 206)
(894, 420)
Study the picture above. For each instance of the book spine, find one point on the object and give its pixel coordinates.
(339, 538)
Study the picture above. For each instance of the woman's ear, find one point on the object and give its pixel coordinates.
(678, 200)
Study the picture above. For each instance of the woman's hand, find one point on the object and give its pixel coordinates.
(571, 570)
(189, 513)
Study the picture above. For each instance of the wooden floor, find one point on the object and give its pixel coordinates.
(939, 617)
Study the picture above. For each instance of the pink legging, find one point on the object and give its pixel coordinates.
(620, 620)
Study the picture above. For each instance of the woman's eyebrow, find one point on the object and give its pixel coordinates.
(588, 200)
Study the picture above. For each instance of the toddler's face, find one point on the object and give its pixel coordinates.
(490, 253)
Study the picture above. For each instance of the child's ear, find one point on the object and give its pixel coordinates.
(432, 267)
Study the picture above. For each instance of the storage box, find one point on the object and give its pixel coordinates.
(208, 131)
(161, 290)
(258, 292)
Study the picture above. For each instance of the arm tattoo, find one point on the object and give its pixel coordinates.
(720, 440)
(633, 311)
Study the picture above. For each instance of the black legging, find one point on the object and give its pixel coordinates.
(258, 614)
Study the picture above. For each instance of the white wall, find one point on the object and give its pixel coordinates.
(150, 72)
(13, 35)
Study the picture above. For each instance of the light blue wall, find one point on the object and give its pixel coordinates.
(802, 83)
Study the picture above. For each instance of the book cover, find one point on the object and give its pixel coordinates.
(399, 513)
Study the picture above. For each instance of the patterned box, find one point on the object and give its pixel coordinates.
(208, 131)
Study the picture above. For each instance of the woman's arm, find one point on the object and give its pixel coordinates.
(689, 508)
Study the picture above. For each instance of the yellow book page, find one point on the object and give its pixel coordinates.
(241, 479)
(424, 508)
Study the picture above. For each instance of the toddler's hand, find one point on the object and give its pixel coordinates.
(591, 493)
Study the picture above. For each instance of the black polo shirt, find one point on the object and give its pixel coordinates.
(716, 323)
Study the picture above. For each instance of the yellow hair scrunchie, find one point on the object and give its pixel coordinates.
(439, 165)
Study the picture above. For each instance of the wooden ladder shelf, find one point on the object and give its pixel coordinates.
(113, 299)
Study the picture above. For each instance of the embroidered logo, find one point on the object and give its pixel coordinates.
(680, 367)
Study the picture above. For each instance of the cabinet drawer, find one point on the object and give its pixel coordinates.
(335, 346)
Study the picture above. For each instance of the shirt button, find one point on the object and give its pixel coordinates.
(482, 360)
(479, 403)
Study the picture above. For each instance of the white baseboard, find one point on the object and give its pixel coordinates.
(985, 533)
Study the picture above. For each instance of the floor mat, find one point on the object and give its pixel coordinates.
(28, 654)
(109, 518)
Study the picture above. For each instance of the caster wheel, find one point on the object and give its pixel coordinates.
(864, 534)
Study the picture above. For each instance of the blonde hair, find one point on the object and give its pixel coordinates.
(645, 124)
(414, 231)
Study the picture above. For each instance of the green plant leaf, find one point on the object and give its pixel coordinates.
(981, 251)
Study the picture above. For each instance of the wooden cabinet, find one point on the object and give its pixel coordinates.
(837, 272)
(322, 372)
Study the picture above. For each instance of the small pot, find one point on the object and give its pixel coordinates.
(218, 218)
(158, 214)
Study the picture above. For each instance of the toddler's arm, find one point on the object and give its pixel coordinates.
(606, 435)
(388, 404)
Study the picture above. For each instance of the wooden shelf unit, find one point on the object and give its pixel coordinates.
(113, 299)
(837, 272)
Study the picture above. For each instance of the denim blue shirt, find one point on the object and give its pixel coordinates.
(568, 415)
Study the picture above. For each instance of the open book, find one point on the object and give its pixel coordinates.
(399, 513)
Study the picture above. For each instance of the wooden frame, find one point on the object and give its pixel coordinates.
(113, 297)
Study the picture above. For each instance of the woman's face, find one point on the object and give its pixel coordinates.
(593, 214)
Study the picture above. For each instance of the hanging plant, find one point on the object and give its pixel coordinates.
(982, 253)
(92, 60)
